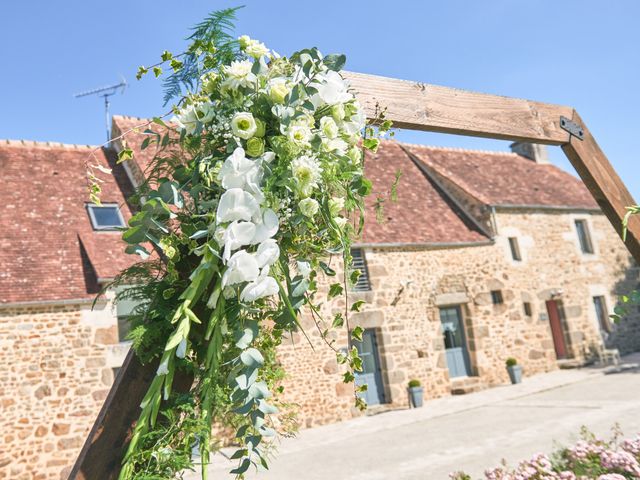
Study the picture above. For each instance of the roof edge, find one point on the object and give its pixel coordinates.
(41, 144)
(426, 246)
(557, 208)
(46, 303)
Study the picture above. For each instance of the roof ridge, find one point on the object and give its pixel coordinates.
(43, 144)
(132, 117)
(457, 149)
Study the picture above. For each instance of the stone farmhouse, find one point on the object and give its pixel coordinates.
(484, 256)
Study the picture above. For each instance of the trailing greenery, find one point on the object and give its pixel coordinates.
(254, 186)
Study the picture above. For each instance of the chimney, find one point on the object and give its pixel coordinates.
(533, 151)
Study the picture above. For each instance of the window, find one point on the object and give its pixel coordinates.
(496, 297)
(584, 237)
(105, 217)
(601, 312)
(527, 309)
(359, 262)
(515, 249)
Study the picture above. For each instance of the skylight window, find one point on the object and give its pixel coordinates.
(105, 217)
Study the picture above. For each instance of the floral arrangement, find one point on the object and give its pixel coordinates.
(590, 458)
(254, 185)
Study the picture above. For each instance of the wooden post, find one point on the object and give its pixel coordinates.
(416, 106)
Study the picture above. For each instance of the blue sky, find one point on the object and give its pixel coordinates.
(582, 53)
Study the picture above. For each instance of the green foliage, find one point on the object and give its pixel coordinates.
(511, 362)
(414, 383)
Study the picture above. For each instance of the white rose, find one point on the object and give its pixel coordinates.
(329, 127)
(236, 204)
(187, 119)
(205, 112)
(299, 134)
(241, 267)
(278, 89)
(243, 125)
(309, 207)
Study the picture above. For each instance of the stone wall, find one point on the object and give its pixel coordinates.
(410, 284)
(57, 367)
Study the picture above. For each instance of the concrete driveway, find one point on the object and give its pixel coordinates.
(470, 432)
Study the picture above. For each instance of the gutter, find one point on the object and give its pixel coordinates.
(54, 303)
(552, 208)
(427, 246)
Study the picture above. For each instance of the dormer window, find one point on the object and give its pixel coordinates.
(105, 216)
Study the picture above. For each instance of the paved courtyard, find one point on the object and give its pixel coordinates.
(470, 432)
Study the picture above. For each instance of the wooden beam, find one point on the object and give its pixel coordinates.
(604, 184)
(421, 106)
(104, 448)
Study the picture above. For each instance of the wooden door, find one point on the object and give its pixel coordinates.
(557, 330)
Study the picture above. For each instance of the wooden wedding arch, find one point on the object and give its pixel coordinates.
(414, 106)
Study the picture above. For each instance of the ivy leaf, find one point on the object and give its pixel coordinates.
(252, 358)
(354, 276)
(141, 72)
(338, 321)
(348, 377)
(166, 55)
(328, 271)
(157, 71)
(176, 64)
(357, 306)
(335, 289)
(125, 154)
(356, 333)
(371, 144)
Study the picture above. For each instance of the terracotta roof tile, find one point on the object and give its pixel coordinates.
(422, 214)
(48, 248)
(501, 178)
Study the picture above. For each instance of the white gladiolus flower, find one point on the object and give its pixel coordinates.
(236, 204)
(329, 127)
(243, 125)
(304, 268)
(267, 253)
(266, 226)
(237, 171)
(181, 351)
(241, 267)
(309, 207)
(262, 287)
(236, 235)
(239, 74)
(306, 171)
(163, 368)
(299, 134)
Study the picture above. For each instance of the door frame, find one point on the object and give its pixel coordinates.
(377, 375)
(466, 352)
(560, 345)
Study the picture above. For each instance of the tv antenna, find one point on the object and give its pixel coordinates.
(105, 92)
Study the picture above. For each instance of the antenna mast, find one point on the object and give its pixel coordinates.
(105, 92)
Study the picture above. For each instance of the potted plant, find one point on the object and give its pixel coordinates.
(515, 370)
(415, 393)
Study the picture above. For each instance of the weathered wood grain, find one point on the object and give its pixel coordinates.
(104, 448)
(421, 106)
(604, 184)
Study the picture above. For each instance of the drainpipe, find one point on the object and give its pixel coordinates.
(494, 222)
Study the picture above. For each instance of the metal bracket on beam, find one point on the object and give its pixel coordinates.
(572, 127)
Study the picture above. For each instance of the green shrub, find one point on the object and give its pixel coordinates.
(511, 362)
(414, 383)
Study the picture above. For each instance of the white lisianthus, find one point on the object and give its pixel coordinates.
(187, 119)
(242, 267)
(304, 268)
(243, 125)
(278, 89)
(337, 112)
(332, 89)
(309, 207)
(266, 226)
(267, 253)
(239, 74)
(355, 154)
(340, 221)
(336, 145)
(336, 204)
(299, 134)
(205, 112)
(264, 286)
(236, 204)
(307, 173)
(236, 235)
(329, 127)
